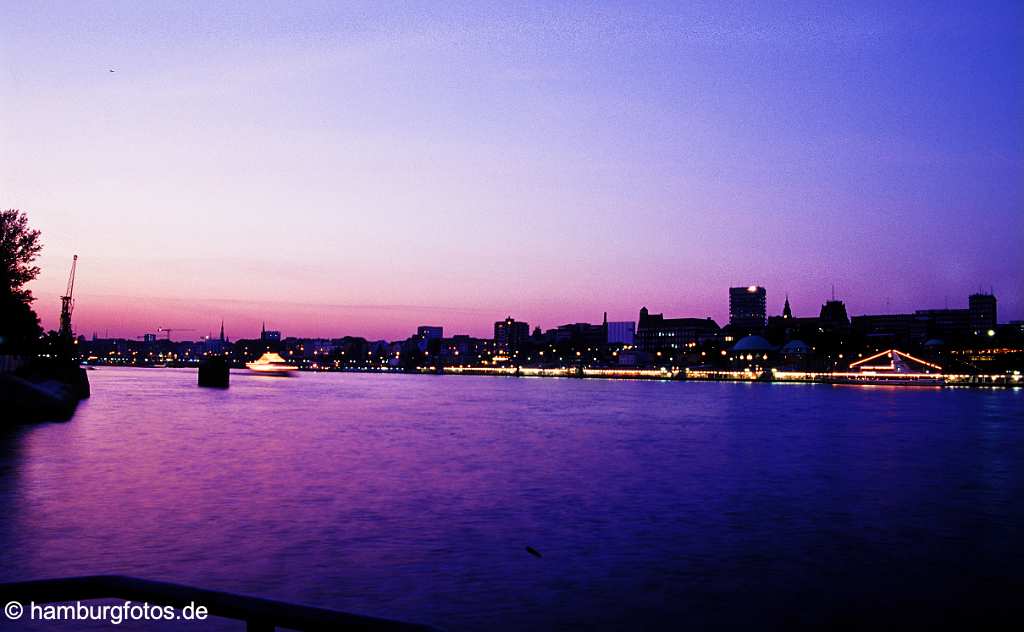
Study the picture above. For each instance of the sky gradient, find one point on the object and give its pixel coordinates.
(362, 169)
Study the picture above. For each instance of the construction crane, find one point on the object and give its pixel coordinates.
(67, 302)
(168, 330)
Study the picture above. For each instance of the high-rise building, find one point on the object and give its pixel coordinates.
(747, 307)
(983, 312)
(429, 332)
(510, 334)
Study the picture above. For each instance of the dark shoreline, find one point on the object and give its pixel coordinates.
(44, 390)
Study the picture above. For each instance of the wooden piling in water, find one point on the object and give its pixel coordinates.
(214, 372)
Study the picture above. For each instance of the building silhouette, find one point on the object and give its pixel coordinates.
(510, 335)
(747, 307)
(655, 333)
(833, 316)
(429, 332)
(931, 325)
(269, 335)
(620, 332)
(982, 309)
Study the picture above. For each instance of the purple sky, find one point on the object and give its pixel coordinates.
(361, 170)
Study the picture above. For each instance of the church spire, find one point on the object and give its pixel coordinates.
(222, 330)
(786, 311)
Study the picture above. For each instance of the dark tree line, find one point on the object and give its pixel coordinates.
(19, 247)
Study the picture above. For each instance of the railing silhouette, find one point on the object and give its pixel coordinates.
(260, 615)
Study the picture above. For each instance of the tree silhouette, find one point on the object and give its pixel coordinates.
(19, 247)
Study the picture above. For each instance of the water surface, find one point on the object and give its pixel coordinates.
(653, 504)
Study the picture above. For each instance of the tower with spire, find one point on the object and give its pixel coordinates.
(269, 335)
(787, 313)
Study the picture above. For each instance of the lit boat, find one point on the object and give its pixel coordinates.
(894, 367)
(271, 363)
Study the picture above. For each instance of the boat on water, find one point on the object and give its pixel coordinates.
(868, 378)
(893, 367)
(272, 364)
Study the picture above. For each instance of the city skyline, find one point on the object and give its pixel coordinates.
(367, 169)
(326, 329)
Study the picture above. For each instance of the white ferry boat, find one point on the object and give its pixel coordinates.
(271, 363)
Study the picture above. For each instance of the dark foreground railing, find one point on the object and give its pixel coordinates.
(259, 614)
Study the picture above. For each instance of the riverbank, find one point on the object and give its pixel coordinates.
(41, 390)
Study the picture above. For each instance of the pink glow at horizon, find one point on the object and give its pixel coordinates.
(362, 170)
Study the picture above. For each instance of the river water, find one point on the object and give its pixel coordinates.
(652, 504)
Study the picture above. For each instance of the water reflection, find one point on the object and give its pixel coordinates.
(416, 497)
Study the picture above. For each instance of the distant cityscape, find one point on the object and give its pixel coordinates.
(963, 340)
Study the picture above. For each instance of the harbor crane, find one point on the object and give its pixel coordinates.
(168, 330)
(67, 302)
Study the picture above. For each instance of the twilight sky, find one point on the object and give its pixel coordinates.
(362, 169)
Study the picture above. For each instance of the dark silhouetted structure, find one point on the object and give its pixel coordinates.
(620, 332)
(67, 303)
(656, 333)
(214, 372)
(269, 335)
(982, 308)
(833, 316)
(510, 335)
(747, 307)
(429, 332)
